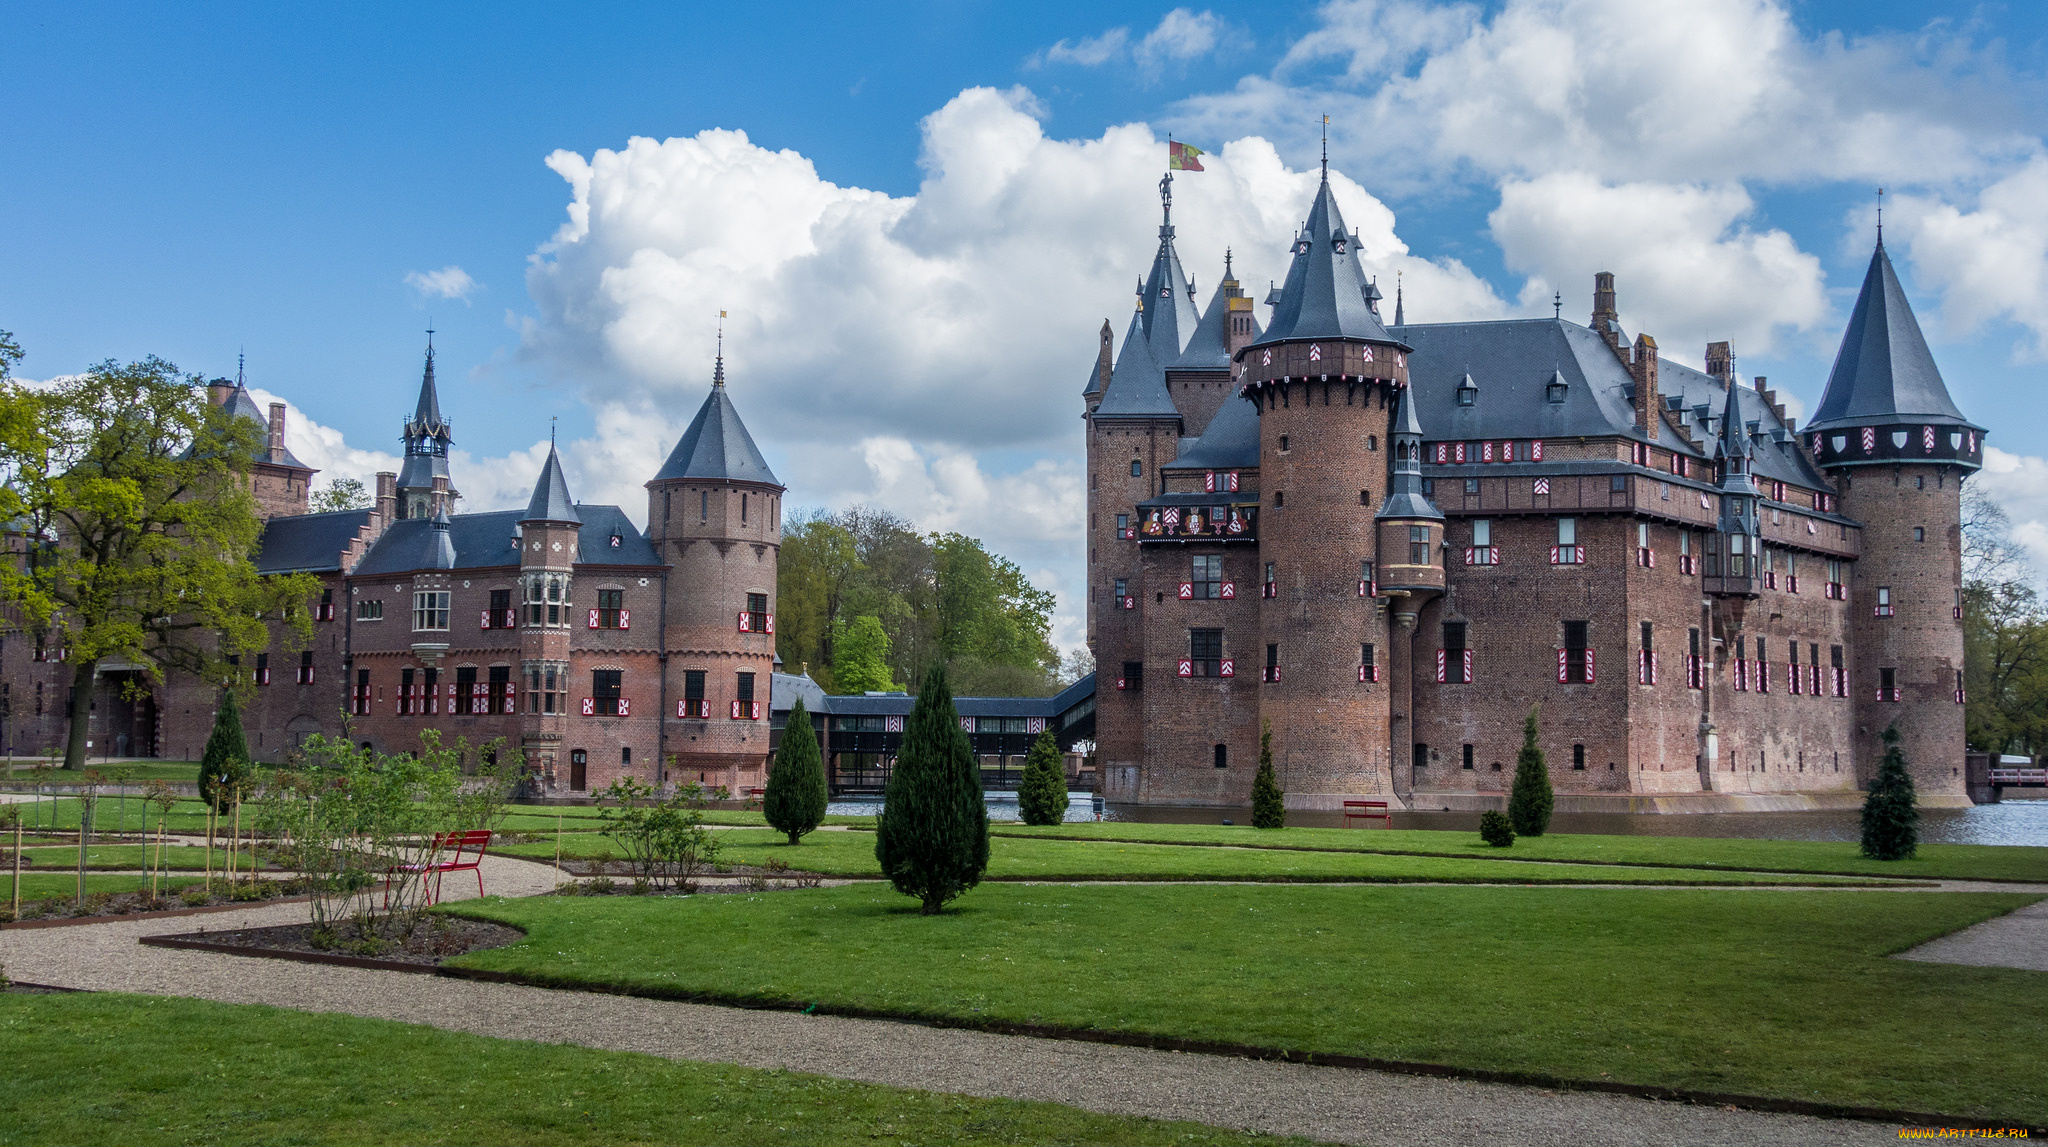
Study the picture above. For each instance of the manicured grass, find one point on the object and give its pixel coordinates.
(175, 771)
(1934, 862)
(587, 818)
(42, 885)
(1765, 993)
(853, 854)
(101, 1068)
(135, 815)
(175, 856)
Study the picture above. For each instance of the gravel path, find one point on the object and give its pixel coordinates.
(1332, 1104)
(2016, 940)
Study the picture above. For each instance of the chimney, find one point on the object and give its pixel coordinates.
(1606, 320)
(218, 390)
(277, 432)
(1238, 334)
(387, 497)
(1644, 370)
(1721, 363)
(1102, 364)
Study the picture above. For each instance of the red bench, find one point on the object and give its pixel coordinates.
(1367, 810)
(452, 852)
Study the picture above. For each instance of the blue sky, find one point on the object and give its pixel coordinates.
(934, 206)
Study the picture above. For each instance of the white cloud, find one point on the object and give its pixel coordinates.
(1990, 263)
(2019, 483)
(450, 282)
(1688, 269)
(1089, 51)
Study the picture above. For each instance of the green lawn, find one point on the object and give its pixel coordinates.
(133, 815)
(192, 857)
(102, 1068)
(176, 771)
(1769, 993)
(586, 818)
(43, 885)
(853, 854)
(1935, 861)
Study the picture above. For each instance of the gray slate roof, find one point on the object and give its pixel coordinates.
(1209, 347)
(717, 446)
(1325, 292)
(1137, 384)
(426, 415)
(550, 501)
(486, 540)
(1229, 442)
(242, 404)
(1883, 372)
(1169, 302)
(307, 543)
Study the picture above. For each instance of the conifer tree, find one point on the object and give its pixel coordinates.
(1531, 799)
(795, 800)
(1042, 792)
(931, 838)
(1269, 807)
(226, 755)
(1891, 820)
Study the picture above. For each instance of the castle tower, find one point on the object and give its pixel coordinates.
(1410, 574)
(281, 484)
(715, 515)
(1325, 377)
(1899, 450)
(548, 534)
(1737, 541)
(424, 487)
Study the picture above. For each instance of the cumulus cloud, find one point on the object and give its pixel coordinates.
(1180, 36)
(450, 282)
(2019, 483)
(1688, 268)
(1990, 263)
(1089, 51)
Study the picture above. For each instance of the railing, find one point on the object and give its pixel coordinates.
(2019, 776)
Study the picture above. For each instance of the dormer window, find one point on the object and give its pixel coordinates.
(1554, 392)
(1301, 247)
(1468, 392)
(1338, 244)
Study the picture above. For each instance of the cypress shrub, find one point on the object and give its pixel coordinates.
(931, 838)
(1891, 822)
(1269, 808)
(1042, 792)
(795, 799)
(1496, 829)
(226, 754)
(1531, 799)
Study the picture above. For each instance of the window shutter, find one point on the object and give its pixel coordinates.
(1589, 665)
(487, 619)
(1468, 667)
(1561, 656)
(593, 619)
(745, 627)
(1227, 667)
(625, 707)
(625, 619)
(1187, 591)
(1536, 453)
(1441, 661)
(769, 623)
(1186, 668)
(590, 706)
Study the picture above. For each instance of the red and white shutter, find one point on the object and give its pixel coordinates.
(1229, 590)
(1186, 668)
(1563, 660)
(625, 707)
(592, 624)
(625, 619)
(1442, 661)
(1589, 665)
(590, 706)
(1468, 667)
(746, 622)
(1536, 453)
(487, 619)
(768, 623)
(1227, 667)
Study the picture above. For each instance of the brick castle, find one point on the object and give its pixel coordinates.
(1389, 540)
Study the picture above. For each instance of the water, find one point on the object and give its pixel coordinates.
(1001, 807)
(2010, 822)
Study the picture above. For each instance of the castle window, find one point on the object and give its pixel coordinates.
(1205, 652)
(1567, 531)
(1133, 678)
(743, 508)
(501, 614)
(1554, 392)
(370, 610)
(1368, 666)
(1419, 757)
(1366, 574)
(430, 610)
(611, 608)
(326, 605)
(1365, 497)
(1283, 443)
(465, 690)
(408, 703)
(1578, 756)
(1465, 751)
(1884, 601)
(1454, 660)
(1919, 533)
(757, 613)
(1122, 594)
(1222, 756)
(1575, 663)
(1482, 532)
(667, 497)
(1137, 468)
(606, 687)
(1279, 498)
(1372, 442)
(262, 669)
(1467, 393)
(1472, 485)
(305, 667)
(1428, 487)
(1123, 525)
(703, 506)
(1206, 578)
(694, 704)
(1695, 671)
(499, 699)
(1887, 684)
(361, 705)
(1272, 661)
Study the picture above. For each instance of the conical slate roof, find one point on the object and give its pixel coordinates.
(426, 416)
(1326, 291)
(242, 404)
(1137, 384)
(717, 445)
(440, 548)
(1883, 372)
(1169, 301)
(1209, 347)
(1734, 444)
(550, 501)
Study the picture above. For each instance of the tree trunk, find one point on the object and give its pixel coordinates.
(81, 714)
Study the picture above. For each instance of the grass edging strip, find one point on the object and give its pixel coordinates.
(194, 941)
(1481, 856)
(157, 914)
(1495, 881)
(1152, 1042)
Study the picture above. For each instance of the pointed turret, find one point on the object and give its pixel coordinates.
(1326, 295)
(1405, 499)
(550, 501)
(1168, 298)
(424, 485)
(440, 548)
(1098, 374)
(1733, 552)
(1137, 384)
(717, 445)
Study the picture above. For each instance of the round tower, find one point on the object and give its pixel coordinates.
(715, 516)
(548, 549)
(1899, 451)
(1325, 378)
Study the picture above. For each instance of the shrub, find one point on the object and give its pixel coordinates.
(795, 799)
(1496, 829)
(931, 838)
(665, 841)
(224, 769)
(1891, 820)
(1269, 806)
(1042, 791)
(195, 895)
(1531, 799)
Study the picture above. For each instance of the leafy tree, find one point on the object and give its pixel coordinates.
(795, 800)
(1891, 820)
(861, 664)
(1042, 791)
(341, 494)
(1530, 800)
(1269, 807)
(1496, 829)
(932, 836)
(133, 491)
(224, 768)
(2005, 636)
(815, 570)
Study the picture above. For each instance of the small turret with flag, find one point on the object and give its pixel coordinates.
(1183, 156)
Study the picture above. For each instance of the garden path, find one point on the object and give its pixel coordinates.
(1332, 1104)
(2018, 939)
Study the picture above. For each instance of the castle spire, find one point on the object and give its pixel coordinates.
(1400, 315)
(1883, 372)
(551, 501)
(1326, 294)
